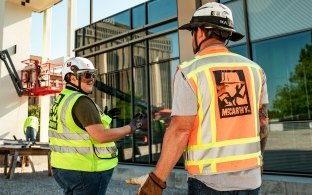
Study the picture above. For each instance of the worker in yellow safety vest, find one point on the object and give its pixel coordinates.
(83, 152)
(223, 128)
(31, 125)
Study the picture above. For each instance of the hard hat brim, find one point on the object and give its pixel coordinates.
(236, 36)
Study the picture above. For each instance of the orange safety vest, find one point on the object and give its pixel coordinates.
(225, 136)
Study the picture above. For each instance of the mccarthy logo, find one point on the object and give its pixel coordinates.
(233, 99)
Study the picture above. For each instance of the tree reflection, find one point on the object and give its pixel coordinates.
(292, 100)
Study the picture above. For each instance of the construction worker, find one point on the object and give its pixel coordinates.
(31, 125)
(223, 128)
(83, 152)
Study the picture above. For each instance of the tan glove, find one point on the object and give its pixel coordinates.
(149, 184)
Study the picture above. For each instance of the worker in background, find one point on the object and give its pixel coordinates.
(223, 128)
(31, 125)
(83, 152)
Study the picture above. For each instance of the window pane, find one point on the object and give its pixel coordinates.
(238, 17)
(89, 37)
(114, 92)
(269, 18)
(163, 27)
(281, 58)
(287, 62)
(139, 53)
(79, 38)
(168, 9)
(116, 59)
(241, 50)
(163, 47)
(138, 16)
(138, 35)
(224, 1)
(113, 25)
(141, 151)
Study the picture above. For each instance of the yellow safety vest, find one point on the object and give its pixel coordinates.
(31, 121)
(225, 136)
(71, 147)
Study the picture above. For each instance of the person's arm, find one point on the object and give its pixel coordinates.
(174, 143)
(99, 134)
(175, 139)
(87, 116)
(264, 122)
(263, 114)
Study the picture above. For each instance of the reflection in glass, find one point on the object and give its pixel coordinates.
(79, 38)
(138, 16)
(163, 27)
(287, 62)
(120, 40)
(280, 59)
(114, 92)
(161, 78)
(139, 53)
(89, 37)
(113, 26)
(241, 50)
(168, 9)
(163, 47)
(116, 59)
(141, 151)
(138, 35)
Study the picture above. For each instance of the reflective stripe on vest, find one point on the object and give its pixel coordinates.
(72, 144)
(225, 136)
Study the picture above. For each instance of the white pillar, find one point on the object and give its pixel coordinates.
(71, 16)
(15, 22)
(44, 101)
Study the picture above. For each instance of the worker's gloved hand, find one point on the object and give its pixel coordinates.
(149, 184)
(112, 113)
(137, 122)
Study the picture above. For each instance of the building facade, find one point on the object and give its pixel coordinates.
(137, 51)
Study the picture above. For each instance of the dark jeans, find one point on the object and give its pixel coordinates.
(195, 187)
(30, 134)
(81, 182)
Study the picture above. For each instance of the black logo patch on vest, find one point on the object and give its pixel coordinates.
(53, 112)
(232, 93)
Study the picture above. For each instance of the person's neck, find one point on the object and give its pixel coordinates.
(211, 43)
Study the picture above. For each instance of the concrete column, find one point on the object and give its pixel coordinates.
(71, 18)
(185, 12)
(44, 101)
(15, 24)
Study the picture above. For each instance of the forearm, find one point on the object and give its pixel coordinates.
(264, 123)
(174, 143)
(99, 134)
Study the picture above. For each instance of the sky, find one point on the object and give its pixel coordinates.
(101, 9)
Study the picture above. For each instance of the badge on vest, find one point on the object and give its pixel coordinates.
(232, 93)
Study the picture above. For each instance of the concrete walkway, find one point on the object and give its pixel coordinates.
(39, 183)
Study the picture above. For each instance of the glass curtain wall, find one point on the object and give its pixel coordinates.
(281, 44)
(136, 53)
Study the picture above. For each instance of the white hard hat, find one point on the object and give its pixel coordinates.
(214, 15)
(75, 64)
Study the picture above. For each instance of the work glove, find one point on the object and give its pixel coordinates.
(137, 122)
(149, 184)
(112, 113)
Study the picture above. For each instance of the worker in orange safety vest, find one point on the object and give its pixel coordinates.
(223, 128)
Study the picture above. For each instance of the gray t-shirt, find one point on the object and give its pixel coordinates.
(185, 104)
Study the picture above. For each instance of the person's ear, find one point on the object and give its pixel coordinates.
(201, 34)
(72, 78)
